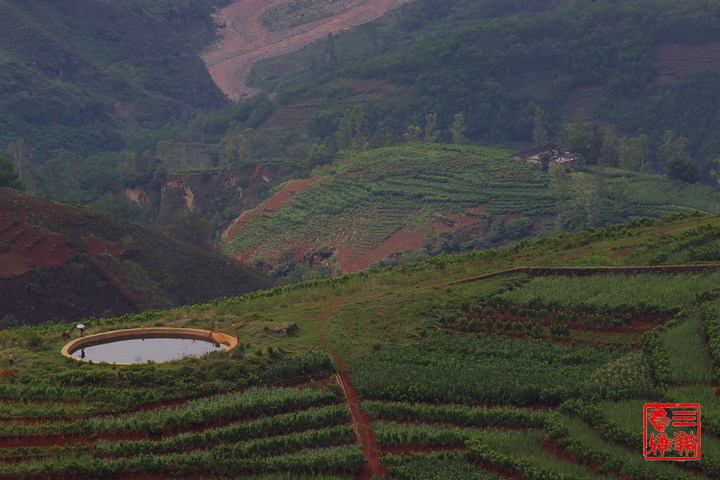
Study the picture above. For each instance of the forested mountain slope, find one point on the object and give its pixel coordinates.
(82, 76)
(83, 79)
(634, 67)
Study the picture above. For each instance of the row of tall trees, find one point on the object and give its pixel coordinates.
(499, 78)
(601, 146)
(596, 144)
(351, 132)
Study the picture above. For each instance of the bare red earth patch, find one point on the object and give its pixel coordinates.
(25, 248)
(289, 192)
(397, 242)
(98, 246)
(245, 41)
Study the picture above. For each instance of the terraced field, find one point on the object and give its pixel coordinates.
(292, 430)
(369, 205)
(486, 365)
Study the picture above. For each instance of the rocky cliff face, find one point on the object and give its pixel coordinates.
(219, 196)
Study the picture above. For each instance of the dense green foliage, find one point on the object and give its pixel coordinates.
(431, 467)
(615, 292)
(465, 368)
(496, 67)
(701, 245)
(455, 413)
(9, 178)
(76, 78)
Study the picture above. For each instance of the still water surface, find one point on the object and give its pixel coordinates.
(141, 350)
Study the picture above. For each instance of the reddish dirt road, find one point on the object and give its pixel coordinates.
(245, 41)
(361, 423)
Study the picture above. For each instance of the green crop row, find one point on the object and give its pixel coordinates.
(391, 434)
(452, 367)
(193, 413)
(609, 430)
(54, 410)
(697, 245)
(125, 398)
(500, 326)
(651, 344)
(266, 426)
(641, 292)
(9, 224)
(608, 459)
(35, 240)
(345, 458)
(477, 452)
(711, 321)
(25, 453)
(408, 159)
(321, 437)
(459, 414)
(630, 376)
(497, 314)
(14, 236)
(439, 465)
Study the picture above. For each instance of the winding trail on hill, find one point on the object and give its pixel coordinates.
(361, 422)
(587, 271)
(245, 41)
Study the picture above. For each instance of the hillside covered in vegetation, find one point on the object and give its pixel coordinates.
(535, 313)
(533, 360)
(59, 263)
(82, 79)
(400, 204)
(124, 96)
(635, 68)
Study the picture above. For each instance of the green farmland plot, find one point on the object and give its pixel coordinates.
(441, 401)
(643, 291)
(376, 193)
(423, 191)
(466, 368)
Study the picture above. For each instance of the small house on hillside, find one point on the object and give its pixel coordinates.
(532, 155)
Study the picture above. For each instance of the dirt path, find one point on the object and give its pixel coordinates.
(588, 271)
(361, 422)
(245, 41)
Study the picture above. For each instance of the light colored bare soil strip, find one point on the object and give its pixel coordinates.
(245, 41)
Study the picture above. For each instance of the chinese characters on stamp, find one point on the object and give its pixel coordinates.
(671, 431)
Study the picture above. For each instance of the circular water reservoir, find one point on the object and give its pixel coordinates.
(140, 345)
